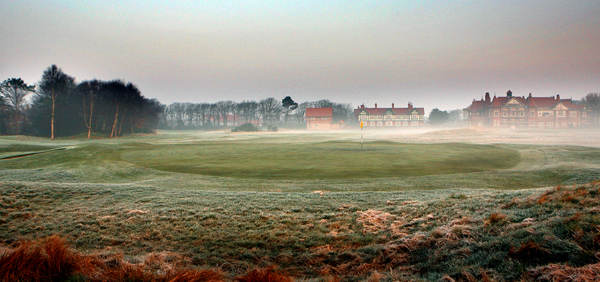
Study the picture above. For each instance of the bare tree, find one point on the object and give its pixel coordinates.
(248, 110)
(203, 110)
(89, 91)
(342, 111)
(456, 117)
(592, 103)
(300, 111)
(178, 111)
(269, 109)
(14, 91)
(189, 110)
(213, 111)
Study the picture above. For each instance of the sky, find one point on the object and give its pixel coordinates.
(435, 54)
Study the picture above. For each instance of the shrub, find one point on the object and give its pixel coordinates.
(246, 127)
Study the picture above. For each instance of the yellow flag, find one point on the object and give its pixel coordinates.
(361, 124)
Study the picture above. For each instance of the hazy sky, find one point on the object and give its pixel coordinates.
(440, 54)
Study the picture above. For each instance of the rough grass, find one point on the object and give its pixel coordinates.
(420, 235)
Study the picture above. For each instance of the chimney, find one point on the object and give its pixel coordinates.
(376, 106)
(487, 97)
(410, 107)
(529, 97)
(392, 106)
(509, 94)
(362, 106)
(557, 97)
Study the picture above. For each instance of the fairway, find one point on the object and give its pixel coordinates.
(321, 160)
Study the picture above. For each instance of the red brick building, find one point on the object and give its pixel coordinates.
(390, 117)
(320, 119)
(522, 112)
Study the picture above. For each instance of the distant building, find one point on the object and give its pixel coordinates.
(322, 119)
(522, 112)
(390, 117)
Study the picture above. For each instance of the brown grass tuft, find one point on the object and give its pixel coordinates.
(269, 274)
(484, 276)
(192, 275)
(496, 218)
(447, 278)
(45, 260)
(468, 277)
(543, 198)
(374, 221)
(530, 252)
(560, 272)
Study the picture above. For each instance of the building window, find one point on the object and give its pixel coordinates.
(532, 114)
(521, 114)
(405, 123)
(540, 124)
(572, 114)
(496, 113)
(388, 123)
(532, 123)
(372, 123)
(550, 123)
(398, 123)
(414, 123)
(379, 123)
(561, 114)
(583, 114)
(504, 113)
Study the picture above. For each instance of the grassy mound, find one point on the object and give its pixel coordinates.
(322, 160)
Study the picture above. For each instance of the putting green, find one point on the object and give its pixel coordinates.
(321, 160)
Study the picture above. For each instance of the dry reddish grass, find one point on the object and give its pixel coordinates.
(374, 221)
(560, 272)
(51, 259)
(495, 218)
(45, 260)
(530, 251)
(269, 274)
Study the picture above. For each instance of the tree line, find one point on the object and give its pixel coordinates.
(61, 106)
(269, 111)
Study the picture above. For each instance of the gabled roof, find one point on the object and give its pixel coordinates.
(544, 102)
(531, 102)
(477, 106)
(319, 112)
(395, 111)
